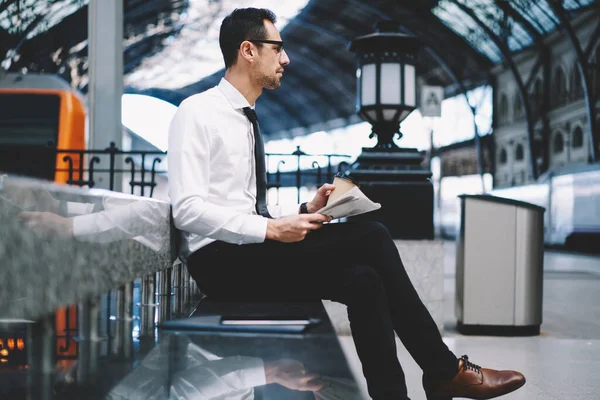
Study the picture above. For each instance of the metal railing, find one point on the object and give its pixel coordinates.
(84, 168)
(85, 173)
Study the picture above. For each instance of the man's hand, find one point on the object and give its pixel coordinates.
(294, 228)
(292, 375)
(46, 202)
(48, 224)
(31, 198)
(320, 198)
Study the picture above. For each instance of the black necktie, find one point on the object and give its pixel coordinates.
(259, 161)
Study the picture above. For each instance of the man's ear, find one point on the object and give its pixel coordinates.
(247, 51)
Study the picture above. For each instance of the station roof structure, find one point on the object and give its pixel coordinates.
(463, 40)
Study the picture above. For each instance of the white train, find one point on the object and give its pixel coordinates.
(571, 197)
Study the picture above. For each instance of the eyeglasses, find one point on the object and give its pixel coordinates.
(277, 42)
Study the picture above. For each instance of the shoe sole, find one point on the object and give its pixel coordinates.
(445, 397)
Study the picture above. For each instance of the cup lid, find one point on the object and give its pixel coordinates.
(342, 175)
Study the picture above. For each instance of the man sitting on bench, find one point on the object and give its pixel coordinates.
(238, 249)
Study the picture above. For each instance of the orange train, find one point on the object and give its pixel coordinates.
(40, 113)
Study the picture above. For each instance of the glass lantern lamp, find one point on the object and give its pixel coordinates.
(386, 79)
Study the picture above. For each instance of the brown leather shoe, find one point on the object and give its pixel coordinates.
(474, 382)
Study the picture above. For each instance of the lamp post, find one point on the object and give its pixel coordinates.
(386, 94)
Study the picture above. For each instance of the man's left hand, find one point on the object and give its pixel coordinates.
(320, 199)
(48, 224)
(292, 375)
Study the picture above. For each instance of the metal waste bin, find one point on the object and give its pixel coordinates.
(499, 266)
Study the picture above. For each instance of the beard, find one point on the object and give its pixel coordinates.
(270, 82)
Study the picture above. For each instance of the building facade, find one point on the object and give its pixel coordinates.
(551, 77)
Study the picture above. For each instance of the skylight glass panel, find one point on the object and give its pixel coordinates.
(585, 3)
(571, 5)
(453, 17)
(538, 13)
(194, 53)
(55, 14)
(504, 26)
(17, 18)
(520, 36)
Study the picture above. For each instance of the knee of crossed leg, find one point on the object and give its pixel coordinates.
(377, 231)
(364, 284)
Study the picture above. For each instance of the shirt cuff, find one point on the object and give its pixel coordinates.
(74, 208)
(254, 372)
(283, 210)
(255, 229)
(83, 225)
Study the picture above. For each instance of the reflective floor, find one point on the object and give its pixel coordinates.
(223, 350)
(559, 364)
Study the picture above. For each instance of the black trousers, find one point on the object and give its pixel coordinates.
(355, 263)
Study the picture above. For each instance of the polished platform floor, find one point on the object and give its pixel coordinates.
(563, 363)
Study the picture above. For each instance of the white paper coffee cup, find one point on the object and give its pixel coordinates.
(342, 185)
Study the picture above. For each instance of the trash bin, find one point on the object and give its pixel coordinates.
(499, 266)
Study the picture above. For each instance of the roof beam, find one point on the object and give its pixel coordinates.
(301, 20)
(337, 63)
(508, 9)
(296, 80)
(277, 107)
(518, 78)
(320, 71)
(464, 45)
(594, 38)
(292, 112)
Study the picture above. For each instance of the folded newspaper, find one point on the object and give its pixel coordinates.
(353, 202)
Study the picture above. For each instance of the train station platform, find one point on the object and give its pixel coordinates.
(136, 288)
(559, 364)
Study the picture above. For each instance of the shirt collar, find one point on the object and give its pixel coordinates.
(235, 98)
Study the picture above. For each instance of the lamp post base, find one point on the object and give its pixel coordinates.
(396, 179)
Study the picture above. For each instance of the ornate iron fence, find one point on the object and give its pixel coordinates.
(140, 168)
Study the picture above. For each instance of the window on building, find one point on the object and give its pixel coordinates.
(503, 111)
(559, 143)
(577, 140)
(503, 157)
(560, 88)
(576, 87)
(519, 152)
(518, 106)
(537, 94)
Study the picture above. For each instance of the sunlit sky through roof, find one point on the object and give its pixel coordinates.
(194, 53)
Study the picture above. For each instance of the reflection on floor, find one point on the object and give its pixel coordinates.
(560, 364)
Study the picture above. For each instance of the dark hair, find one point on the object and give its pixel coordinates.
(242, 24)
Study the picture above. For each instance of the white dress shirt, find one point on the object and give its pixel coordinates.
(123, 217)
(212, 181)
